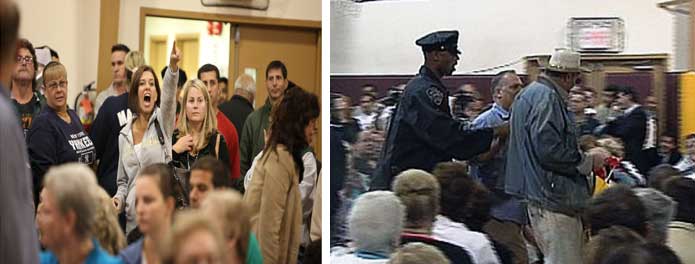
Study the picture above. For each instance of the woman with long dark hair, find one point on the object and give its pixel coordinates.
(273, 195)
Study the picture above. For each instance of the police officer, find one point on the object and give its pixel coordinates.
(423, 133)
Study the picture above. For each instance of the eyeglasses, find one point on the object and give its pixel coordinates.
(25, 59)
(56, 84)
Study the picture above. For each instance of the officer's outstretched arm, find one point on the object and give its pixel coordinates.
(441, 131)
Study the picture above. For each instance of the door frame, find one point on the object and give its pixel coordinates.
(232, 19)
(245, 20)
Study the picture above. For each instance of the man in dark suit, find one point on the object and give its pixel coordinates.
(636, 129)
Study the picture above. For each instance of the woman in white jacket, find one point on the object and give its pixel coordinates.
(146, 139)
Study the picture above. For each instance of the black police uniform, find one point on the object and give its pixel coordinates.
(423, 133)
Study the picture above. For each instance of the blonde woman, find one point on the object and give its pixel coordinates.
(193, 239)
(106, 228)
(228, 211)
(133, 60)
(196, 134)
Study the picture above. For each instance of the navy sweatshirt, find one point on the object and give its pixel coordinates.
(52, 141)
(113, 116)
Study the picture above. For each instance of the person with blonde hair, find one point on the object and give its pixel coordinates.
(56, 136)
(133, 60)
(420, 192)
(416, 252)
(66, 217)
(228, 211)
(196, 132)
(106, 227)
(194, 238)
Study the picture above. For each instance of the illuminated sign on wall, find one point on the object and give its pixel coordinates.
(606, 34)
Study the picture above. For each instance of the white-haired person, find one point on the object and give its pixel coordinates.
(240, 106)
(67, 217)
(660, 210)
(374, 225)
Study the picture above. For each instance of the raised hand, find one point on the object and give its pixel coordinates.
(174, 58)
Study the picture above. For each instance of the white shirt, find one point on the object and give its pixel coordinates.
(476, 243)
(366, 121)
(686, 163)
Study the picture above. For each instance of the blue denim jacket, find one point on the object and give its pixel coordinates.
(491, 173)
(543, 153)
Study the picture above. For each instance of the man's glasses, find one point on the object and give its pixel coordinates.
(25, 59)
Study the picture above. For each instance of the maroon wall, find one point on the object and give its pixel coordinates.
(642, 82)
(350, 84)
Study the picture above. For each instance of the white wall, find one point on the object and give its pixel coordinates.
(681, 40)
(379, 37)
(71, 27)
(212, 49)
(129, 22)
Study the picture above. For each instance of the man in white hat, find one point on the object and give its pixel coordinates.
(544, 164)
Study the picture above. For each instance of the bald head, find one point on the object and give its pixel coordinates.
(9, 28)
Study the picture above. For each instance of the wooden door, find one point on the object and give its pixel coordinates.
(297, 48)
(189, 46)
(158, 53)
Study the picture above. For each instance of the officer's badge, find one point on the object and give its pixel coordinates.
(435, 95)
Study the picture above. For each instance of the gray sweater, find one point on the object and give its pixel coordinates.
(18, 239)
(151, 151)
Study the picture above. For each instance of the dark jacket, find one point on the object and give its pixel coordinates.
(672, 157)
(455, 254)
(251, 139)
(237, 110)
(52, 141)
(340, 133)
(185, 160)
(543, 153)
(633, 128)
(112, 117)
(27, 112)
(423, 132)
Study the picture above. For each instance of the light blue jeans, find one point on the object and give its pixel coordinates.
(560, 237)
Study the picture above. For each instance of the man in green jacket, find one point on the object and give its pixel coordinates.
(252, 136)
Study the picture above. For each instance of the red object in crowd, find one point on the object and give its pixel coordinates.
(228, 131)
(611, 163)
(214, 28)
